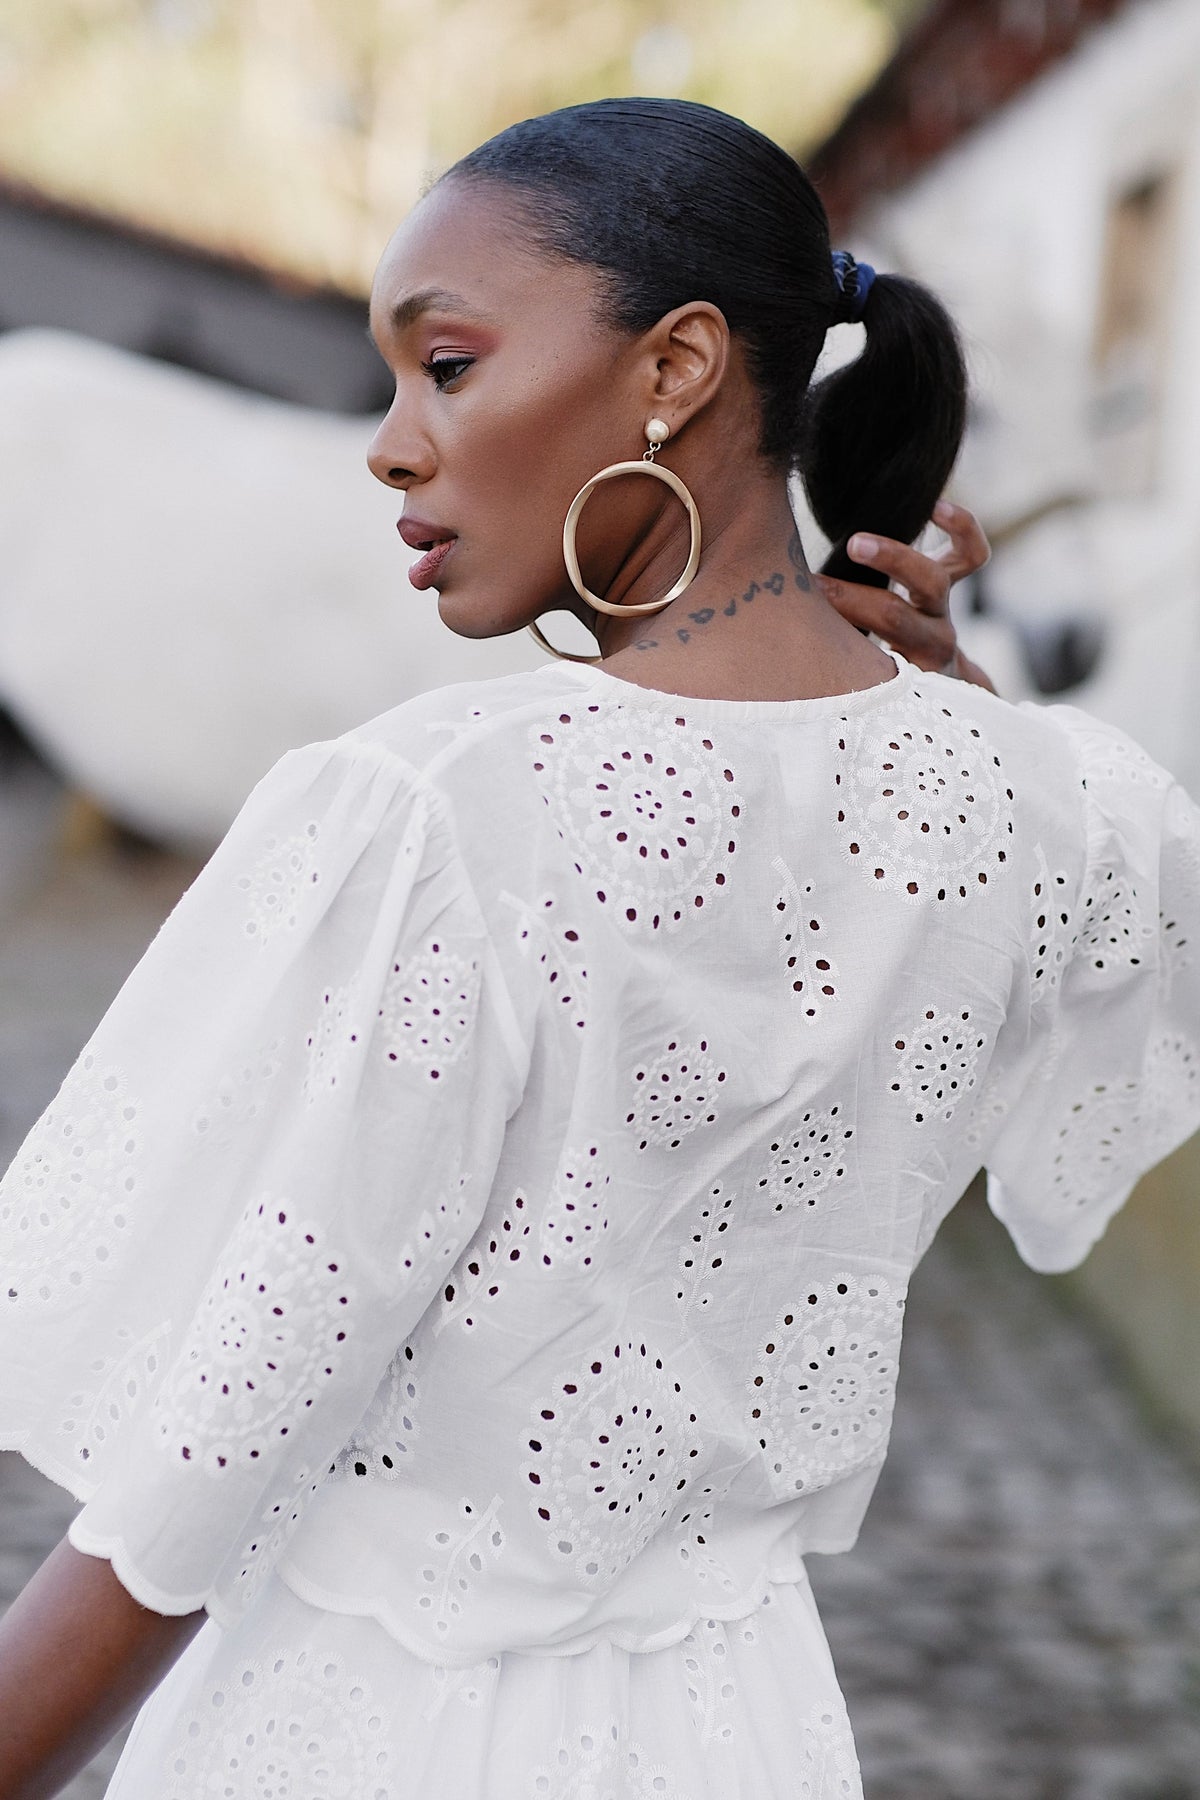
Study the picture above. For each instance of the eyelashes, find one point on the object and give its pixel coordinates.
(445, 371)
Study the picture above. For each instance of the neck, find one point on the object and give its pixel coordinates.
(753, 622)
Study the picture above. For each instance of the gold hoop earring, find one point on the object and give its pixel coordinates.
(657, 433)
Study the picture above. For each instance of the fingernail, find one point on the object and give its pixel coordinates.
(943, 512)
(863, 547)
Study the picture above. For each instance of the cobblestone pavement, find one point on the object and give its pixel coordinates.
(1021, 1618)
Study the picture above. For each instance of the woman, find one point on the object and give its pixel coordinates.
(468, 1262)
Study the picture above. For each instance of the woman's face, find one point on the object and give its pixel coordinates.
(510, 394)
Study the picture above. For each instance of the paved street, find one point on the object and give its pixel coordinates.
(1021, 1620)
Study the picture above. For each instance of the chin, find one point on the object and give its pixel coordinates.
(468, 621)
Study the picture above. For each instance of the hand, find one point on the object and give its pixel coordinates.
(920, 627)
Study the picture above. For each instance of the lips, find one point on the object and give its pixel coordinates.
(434, 540)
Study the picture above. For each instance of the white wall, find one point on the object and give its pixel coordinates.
(1009, 228)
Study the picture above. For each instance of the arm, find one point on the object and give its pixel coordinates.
(919, 627)
(78, 1655)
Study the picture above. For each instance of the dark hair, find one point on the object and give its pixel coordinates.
(672, 201)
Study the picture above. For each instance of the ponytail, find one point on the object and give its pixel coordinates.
(880, 436)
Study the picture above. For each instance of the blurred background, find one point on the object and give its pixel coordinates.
(197, 572)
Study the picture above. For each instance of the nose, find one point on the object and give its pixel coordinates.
(398, 455)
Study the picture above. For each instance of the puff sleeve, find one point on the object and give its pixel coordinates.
(1107, 1079)
(252, 1181)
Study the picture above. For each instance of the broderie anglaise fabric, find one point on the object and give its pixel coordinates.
(515, 1258)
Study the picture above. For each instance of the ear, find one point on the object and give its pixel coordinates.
(689, 353)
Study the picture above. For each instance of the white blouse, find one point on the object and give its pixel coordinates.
(489, 1205)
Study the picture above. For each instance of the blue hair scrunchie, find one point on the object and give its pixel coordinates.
(854, 282)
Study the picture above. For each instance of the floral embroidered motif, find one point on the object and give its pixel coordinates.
(276, 1524)
(575, 1219)
(821, 1397)
(803, 943)
(710, 1684)
(1119, 1128)
(96, 1416)
(240, 1098)
(612, 1451)
(428, 1008)
(1053, 934)
(830, 1763)
(382, 1443)
(295, 1726)
(438, 1235)
(264, 1342)
(676, 1095)
(923, 809)
(704, 1252)
(68, 1200)
(646, 807)
(1114, 934)
(602, 1764)
(937, 1063)
(810, 1160)
(459, 1559)
(696, 1532)
(330, 1043)
(279, 883)
(478, 1276)
(556, 948)
(470, 1687)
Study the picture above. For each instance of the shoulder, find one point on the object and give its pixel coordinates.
(445, 734)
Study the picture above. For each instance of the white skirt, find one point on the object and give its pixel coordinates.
(296, 1703)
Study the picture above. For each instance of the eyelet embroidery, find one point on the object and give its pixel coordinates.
(97, 1415)
(458, 1559)
(1053, 933)
(265, 1341)
(830, 1760)
(602, 1764)
(276, 1524)
(279, 883)
(676, 1096)
(239, 1098)
(694, 1528)
(922, 809)
(470, 1687)
(937, 1062)
(479, 1275)
(613, 1449)
(822, 1394)
(68, 1200)
(1114, 935)
(438, 1238)
(1117, 1127)
(381, 1446)
(647, 810)
(804, 946)
(704, 1252)
(575, 1219)
(809, 1161)
(711, 1688)
(295, 1725)
(428, 1008)
(330, 1043)
(557, 947)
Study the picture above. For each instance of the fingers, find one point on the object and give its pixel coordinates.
(928, 578)
(925, 638)
(969, 548)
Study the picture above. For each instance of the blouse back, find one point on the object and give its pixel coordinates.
(491, 1203)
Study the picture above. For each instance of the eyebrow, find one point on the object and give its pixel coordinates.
(407, 311)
